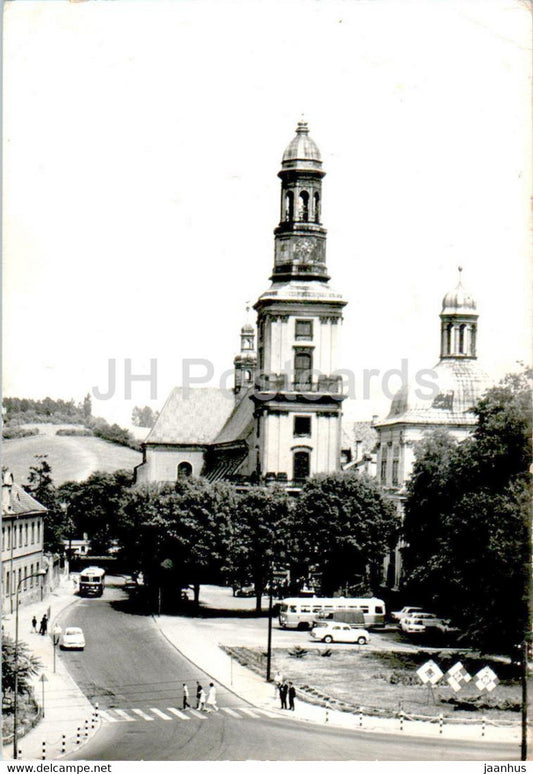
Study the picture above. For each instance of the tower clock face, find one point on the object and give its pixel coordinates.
(304, 249)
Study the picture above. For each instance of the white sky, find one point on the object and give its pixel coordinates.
(142, 142)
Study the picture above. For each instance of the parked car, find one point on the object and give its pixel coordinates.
(245, 591)
(412, 623)
(339, 632)
(72, 639)
(405, 611)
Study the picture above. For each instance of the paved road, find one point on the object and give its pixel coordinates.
(136, 677)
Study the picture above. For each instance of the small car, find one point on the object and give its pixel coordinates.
(340, 632)
(405, 611)
(245, 591)
(72, 639)
(423, 617)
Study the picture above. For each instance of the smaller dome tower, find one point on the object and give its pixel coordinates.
(458, 323)
(246, 361)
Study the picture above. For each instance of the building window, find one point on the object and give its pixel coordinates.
(3, 538)
(25, 534)
(462, 339)
(31, 577)
(7, 583)
(184, 470)
(301, 465)
(304, 206)
(317, 207)
(302, 427)
(395, 466)
(289, 206)
(14, 535)
(384, 466)
(304, 330)
(20, 535)
(303, 365)
(32, 532)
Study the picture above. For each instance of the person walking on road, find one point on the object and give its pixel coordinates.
(185, 696)
(278, 679)
(292, 695)
(212, 697)
(34, 624)
(44, 625)
(201, 700)
(283, 694)
(199, 690)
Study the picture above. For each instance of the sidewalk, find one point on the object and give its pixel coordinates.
(66, 709)
(200, 647)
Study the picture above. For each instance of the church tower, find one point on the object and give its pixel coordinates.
(246, 361)
(458, 323)
(298, 396)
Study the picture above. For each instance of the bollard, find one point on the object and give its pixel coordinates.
(20, 753)
(441, 723)
(44, 751)
(78, 735)
(93, 719)
(360, 717)
(483, 726)
(401, 720)
(63, 744)
(86, 729)
(327, 716)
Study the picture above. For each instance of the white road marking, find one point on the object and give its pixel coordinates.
(198, 714)
(230, 712)
(247, 711)
(107, 717)
(159, 713)
(265, 712)
(142, 714)
(124, 715)
(177, 713)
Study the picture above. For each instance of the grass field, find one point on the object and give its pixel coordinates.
(71, 458)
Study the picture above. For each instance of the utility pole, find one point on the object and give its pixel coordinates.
(269, 642)
(524, 649)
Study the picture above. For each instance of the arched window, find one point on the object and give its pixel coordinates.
(462, 339)
(304, 206)
(301, 465)
(473, 340)
(317, 207)
(303, 365)
(184, 470)
(289, 206)
(247, 376)
(449, 329)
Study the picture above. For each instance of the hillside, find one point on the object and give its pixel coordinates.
(71, 458)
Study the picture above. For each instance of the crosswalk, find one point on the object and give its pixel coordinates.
(149, 714)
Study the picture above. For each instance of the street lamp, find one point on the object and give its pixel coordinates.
(39, 574)
(64, 507)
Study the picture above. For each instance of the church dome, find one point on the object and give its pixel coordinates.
(447, 395)
(458, 301)
(302, 148)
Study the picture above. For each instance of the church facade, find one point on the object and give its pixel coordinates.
(283, 420)
(458, 383)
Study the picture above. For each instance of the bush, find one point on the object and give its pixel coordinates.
(81, 431)
(19, 432)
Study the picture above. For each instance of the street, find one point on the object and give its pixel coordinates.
(136, 678)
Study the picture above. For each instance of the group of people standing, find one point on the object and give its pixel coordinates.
(286, 691)
(43, 628)
(205, 702)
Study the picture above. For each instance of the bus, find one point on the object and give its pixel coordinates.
(302, 612)
(92, 582)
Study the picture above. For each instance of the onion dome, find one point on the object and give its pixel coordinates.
(458, 301)
(302, 151)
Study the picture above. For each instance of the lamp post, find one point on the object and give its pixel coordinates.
(269, 642)
(64, 507)
(39, 574)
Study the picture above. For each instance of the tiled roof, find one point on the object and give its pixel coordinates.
(458, 385)
(240, 423)
(21, 502)
(192, 416)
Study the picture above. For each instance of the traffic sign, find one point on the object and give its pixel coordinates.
(429, 673)
(486, 679)
(457, 675)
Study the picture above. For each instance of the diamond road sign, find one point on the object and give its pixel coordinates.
(457, 675)
(486, 679)
(429, 673)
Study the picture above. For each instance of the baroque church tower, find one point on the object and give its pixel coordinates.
(298, 395)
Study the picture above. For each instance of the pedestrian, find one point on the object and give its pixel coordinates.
(185, 696)
(34, 624)
(212, 697)
(283, 694)
(199, 690)
(44, 625)
(278, 679)
(292, 695)
(201, 700)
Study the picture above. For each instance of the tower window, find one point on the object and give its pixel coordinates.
(304, 206)
(184, 470)
(289, 206)
(303, 365)
(302, 427)
(449, 339)
(304, 330)
(461, 339)
(317, 207)
(301, 465)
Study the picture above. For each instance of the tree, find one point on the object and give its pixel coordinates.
(28, 666)
(41, 486)
(260, 536)
(143, 417)
(87, 406)
(94, 507)
(344, 527)
(467, 521)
